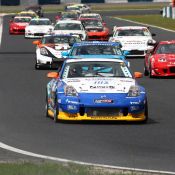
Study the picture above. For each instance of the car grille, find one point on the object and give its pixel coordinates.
(38, 34)
(172, 69)
(111, 112)
(136, 52)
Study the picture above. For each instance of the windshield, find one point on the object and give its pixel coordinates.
(27, 14)
(40, 22)
(21, 20)
(166, 49)
(96, 50)
(69, 15)
(95, 23)
(73, 8)
(67, 26)
(60, 39)
(132, 32)
(96, 69)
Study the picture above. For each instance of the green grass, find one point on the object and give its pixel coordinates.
(156, 20)
(50, 168)
(95, 7)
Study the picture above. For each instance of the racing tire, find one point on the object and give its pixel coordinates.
(150, 72)
(146, 113)
(146, 72)
(56, 112)
(46, 108)
(36, 65)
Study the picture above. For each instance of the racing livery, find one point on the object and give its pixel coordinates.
(73, 27)
(95, 89)
(161, 61)
(38, 27)
(49, 49)
(135, 39)
(95, 29)
(18, 24)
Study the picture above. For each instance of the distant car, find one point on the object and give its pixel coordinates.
(67, 16)
(70, 27)
(49, 49)
(95, 89)
(96, 49)
(160, 62)
(84, 8)
(18, 24)
(38, 27)
(73, 8)
(96, 31)
(37, 9)
(91, 15)
(30, 13)
(135, 39)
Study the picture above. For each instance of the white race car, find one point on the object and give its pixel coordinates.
(135, 39)
(73, 27)
(38, 27)
(91, 15)
(49, 49)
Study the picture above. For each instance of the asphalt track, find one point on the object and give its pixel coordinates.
(23, 124)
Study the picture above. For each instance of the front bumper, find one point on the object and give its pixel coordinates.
(17, 31)
(34, 35)
(123, 109)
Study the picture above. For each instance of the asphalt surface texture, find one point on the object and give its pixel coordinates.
(24, 125)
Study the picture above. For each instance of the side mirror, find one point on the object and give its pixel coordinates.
(53, 75)
(104, 24)
(37, 42)
(125, 53)
(138, 75)
(153, 34)
(65, 54)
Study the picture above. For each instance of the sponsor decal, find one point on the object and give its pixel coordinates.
(102, 87)
(101, 82)
(71, 102)
(103, 101)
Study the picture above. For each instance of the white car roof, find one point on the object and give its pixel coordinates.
(40, 19)
(90, 14)
(130, 27)
(19, 17)
(69, 21)
(93, 59)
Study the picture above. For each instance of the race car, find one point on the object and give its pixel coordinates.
(91, 15)
(30, 13)
(160, 62)
(49, 49)
(74, 8)
(73, 27)
(96, 49)
(84, 8)
(96, 31)
(18, 24)
(67, 16)
(135, 39)
(95, 89)
(38, 27)
(37, 9)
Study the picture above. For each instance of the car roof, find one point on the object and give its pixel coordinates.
(94, 59)
(40, 19)
(131, 27)
(69, 21)
(85, 43)
(22, 17)
(89, 14)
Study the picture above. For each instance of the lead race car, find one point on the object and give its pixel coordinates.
(95, 89)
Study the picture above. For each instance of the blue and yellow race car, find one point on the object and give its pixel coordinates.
(95, 89)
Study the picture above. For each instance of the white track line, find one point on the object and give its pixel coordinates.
(16, 150)
(149, 25)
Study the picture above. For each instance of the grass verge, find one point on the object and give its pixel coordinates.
(95, 7)
(156, 20)
(50, 168)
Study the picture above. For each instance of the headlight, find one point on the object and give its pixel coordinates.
(134, 91)
(43, 51)
(162, 60)
(70, 91)
(151, 42)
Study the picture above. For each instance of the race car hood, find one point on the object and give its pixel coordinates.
(133, 42)
(101, 84)
(21, 24)
(39, 28)
(168, 57)
(94, 29)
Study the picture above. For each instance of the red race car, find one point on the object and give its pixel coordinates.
(160, 62)
(96, 30)
(18, 24)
